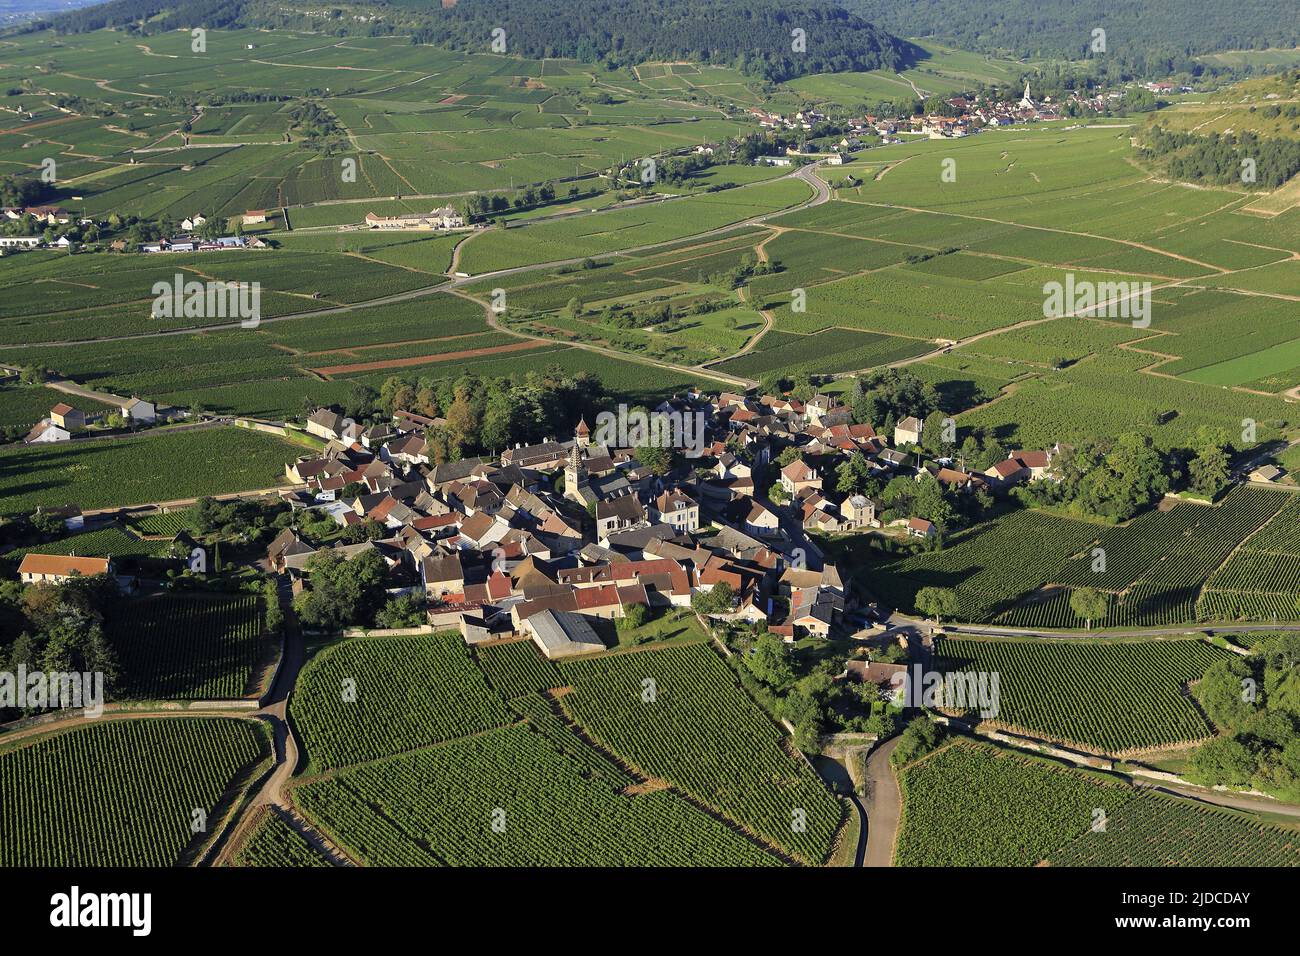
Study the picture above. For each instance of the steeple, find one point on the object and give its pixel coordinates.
(582, 434)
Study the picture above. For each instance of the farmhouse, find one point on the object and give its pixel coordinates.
(138, 410)
(46, 432)
(57, 568)
(65, 416)
(254, 216)
(908, 431)
(439, 219)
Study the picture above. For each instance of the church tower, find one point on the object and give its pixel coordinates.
(582, 434)
(575, 474)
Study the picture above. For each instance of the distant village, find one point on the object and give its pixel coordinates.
(971, 114)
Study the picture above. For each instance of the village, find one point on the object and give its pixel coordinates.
(547, 540)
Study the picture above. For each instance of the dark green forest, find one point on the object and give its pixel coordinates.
(1145, 37)
(757, 36)
(1219, 159)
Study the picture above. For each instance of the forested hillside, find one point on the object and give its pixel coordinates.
(761, 37)
(1144, 34)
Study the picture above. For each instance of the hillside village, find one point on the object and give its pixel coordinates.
(543, 536)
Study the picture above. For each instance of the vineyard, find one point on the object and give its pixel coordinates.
(1161, 831)
(506, 798)
(971, 804)
(1261, 581)
(164, 523)
(517, 668)
(273, 843)
(1102, 697)
(121, 793)
(679, 715)
(370, 697)
(1018, 570)
(188, 646)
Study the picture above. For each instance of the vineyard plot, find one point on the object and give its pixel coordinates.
(970, 804)
(677, 714)
(187, 647)
(274, 843)
(370, 697)
(121, 793)
(507, 798)
(1110, 697)
(1162, 831)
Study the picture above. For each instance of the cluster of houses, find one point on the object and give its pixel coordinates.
(185, 243)
(545, 539)
(64, 420)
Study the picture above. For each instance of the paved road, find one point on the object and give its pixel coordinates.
(884, 805)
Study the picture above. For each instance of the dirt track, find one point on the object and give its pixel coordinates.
(425, 359)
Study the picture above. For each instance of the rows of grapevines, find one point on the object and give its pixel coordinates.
(368, 697)
(517, 668)
(1162, 831)
(1105, 696)
(1251, 570)
(1129, 550)
(120, 793)
(1247, 606)
(507, 798)
(969, 804)
(561, 736)
(274, 843)
(187, 646)
(339, 809)
(1261, 581)
(1283, 532)
(170, 523)
(677, 713)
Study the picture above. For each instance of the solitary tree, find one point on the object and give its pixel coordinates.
(1089, 603)
(937, 602)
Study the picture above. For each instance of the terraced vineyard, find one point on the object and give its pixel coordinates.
(703, 734)
(1107, 697)
(970, 804)
(368, 697)
(517, 668)
(188, 646)
(507, 798)
(121, 793)
(273, 843)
